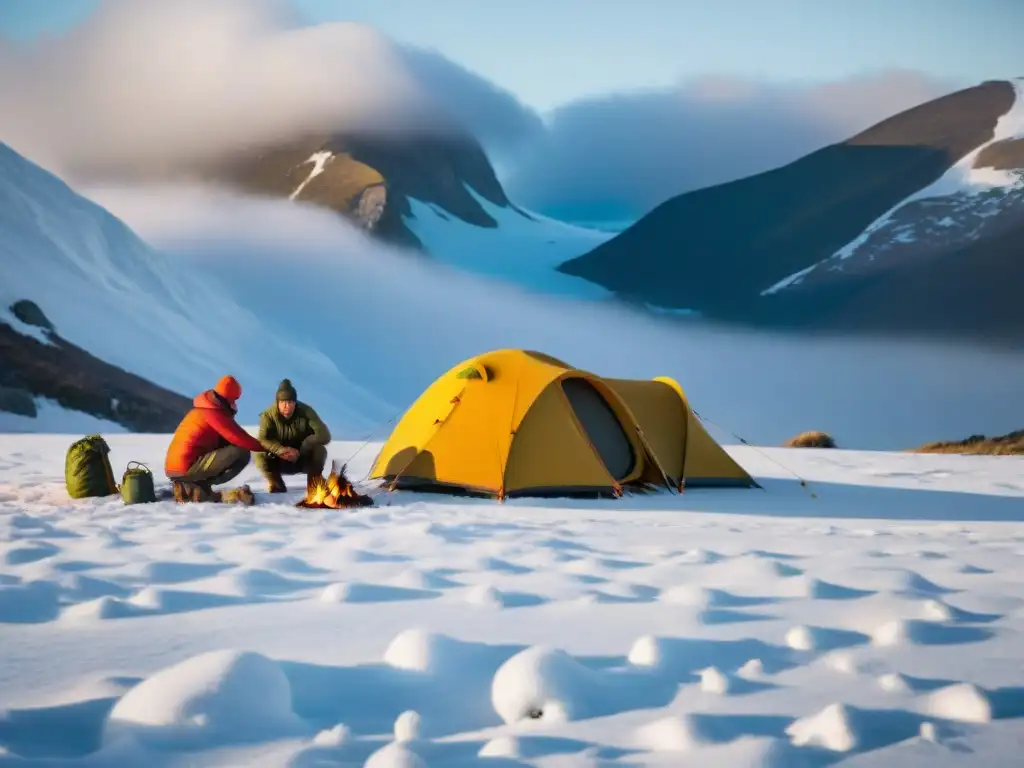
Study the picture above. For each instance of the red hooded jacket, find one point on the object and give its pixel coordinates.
(209, 425)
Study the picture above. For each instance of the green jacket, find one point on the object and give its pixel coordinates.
(303, 430)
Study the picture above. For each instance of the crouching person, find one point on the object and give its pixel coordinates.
(294, 437)
(210, 448)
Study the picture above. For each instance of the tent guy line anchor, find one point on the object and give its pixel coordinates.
(803, 482)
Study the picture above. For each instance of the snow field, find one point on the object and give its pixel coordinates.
(740, 627)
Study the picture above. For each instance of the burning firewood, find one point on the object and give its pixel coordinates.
(333, 492)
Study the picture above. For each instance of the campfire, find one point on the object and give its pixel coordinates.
(333, 492)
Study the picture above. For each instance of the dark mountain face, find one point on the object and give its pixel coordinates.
(717, 249)
(972, 293)
(371, 179)
(78, 381)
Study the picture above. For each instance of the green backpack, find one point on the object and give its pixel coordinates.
(137, 484)
(87, 470)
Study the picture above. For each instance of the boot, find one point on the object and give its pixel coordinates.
(275, 483)
(204, 493)
(185, 492)
(242, 495)
(181, 492)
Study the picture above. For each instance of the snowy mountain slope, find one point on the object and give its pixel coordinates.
(878, 622)
(791, 247)
(53, 418)
(523, 247)
(436, 194)
(978, 197)
(110, 294)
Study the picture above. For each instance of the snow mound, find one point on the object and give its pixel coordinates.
(28, 552)
(261, 582)
(158, 600)
(833, 728)
(756, 569)
(502, 746)
(751, 670)
(844, 662)
(291, 564)
(699, 557)
(936, 610)
(817, 589)
(485, 595)
(894, 682)
(542, 683)
(407, 727)
(648, 651)
(962, 702)
(337, 736)
(929, 732)
(802, 638)
(101, 608)
(338, 592)
(219, 696)
(758, 752)
(395, 756)
(908, 632)
(713, 680)
(33, 601)
(413, 578)
(676, 733)
(912, 583)
(421, 651)
(693, 596)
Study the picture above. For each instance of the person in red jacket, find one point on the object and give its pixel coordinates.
(210, 448)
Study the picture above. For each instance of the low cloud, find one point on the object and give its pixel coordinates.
(151, 81)
(620, 155)
(392, 324)
(147, 84)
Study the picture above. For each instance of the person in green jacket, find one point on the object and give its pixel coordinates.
(295, 439)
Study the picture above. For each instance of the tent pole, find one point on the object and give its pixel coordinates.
(650, 453)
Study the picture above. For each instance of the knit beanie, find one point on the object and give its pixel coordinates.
(285, 391)
(228, 388)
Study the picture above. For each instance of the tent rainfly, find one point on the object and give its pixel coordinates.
(519, 423)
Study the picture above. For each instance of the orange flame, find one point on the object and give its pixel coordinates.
(333, 492)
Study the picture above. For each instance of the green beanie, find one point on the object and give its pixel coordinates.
(285, 391)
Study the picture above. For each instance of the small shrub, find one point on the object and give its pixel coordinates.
(30, 314)
(812, 439)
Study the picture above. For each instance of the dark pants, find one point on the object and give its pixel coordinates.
(309, 462)
(216, 467)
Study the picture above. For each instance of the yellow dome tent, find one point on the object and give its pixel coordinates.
(514, 422)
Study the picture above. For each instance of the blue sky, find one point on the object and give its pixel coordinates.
(551, 51)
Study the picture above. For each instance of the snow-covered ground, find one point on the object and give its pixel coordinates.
(874, 617)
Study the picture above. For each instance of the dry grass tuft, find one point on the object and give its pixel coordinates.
(812, 439)
(1011, 444)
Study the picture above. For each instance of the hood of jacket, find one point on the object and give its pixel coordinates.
(210, 400)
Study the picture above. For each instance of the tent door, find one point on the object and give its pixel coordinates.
(602, 427)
